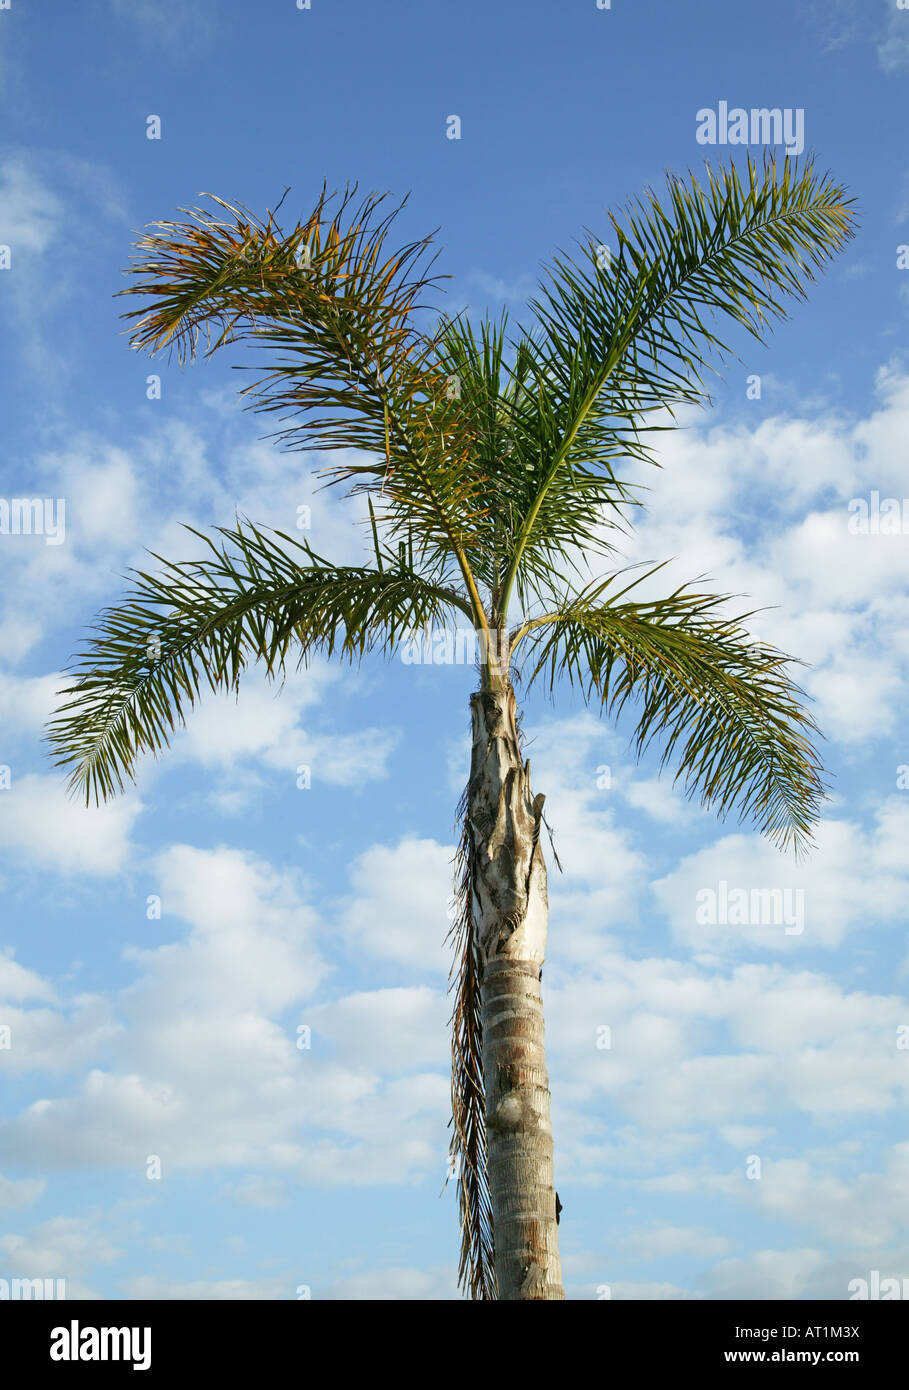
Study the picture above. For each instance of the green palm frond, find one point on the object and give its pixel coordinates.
(497, 429)
(729, 717)
(198, 625)
(336, 310)
(618, 336)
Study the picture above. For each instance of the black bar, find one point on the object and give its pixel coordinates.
(684, 1337)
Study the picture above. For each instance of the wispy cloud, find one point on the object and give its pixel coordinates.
(177, 26)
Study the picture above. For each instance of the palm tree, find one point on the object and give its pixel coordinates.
(489, 456)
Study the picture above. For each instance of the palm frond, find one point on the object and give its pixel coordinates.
(326, 292)
(618, 336)
(729, 717)
(195, 625)
(499, 430)
(336, 311)
(476, 1265)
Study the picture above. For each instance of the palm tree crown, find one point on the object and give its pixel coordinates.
(490, 462)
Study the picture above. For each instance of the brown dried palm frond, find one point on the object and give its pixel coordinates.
(476, 1269)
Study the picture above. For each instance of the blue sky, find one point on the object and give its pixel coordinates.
(133, 1035)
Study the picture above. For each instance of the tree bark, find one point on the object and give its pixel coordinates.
(510, 908)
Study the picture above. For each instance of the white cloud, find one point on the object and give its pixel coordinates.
(398, 909)
(852, 878)
(179, 27)
(628, 1291)
(63, 1248)
(150, 1286)
(31, 214)
(657, 798)
(768, 520)
(43, 198)
(17, 1195)
(395, 1282)
(783, 1274)
(26, 702)
(893, 50)
(56, 1040)
(692, 1050)
(262, 726)
(48, 829)
(253, 940)
(864, 1209)
(494, 287)
(844, 22)
(401, 1283)
(662, 1242)
(18, 983)
(256, 1190)
(206, 1069)
(399, 1025)
(603, 870)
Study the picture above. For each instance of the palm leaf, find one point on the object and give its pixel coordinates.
(728, 715)
(200, 624)
(615, 339)
(476, 1266)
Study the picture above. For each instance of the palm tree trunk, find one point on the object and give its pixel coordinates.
(510, 909)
